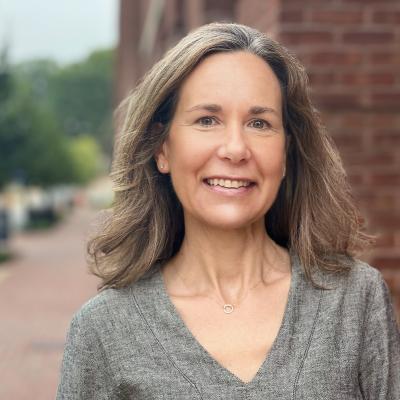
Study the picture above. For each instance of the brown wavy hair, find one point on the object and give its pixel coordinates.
(313, 215)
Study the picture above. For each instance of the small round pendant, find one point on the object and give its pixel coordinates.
(228, 308)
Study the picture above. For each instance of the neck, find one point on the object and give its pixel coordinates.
(225, 263)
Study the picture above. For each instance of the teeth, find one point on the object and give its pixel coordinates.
(227, 183)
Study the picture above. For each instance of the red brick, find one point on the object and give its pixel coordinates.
(387, 100)
(385, 58)
(392, 178)
(386, 138)
(291, 16)
(384, 121)
(353, 120)
(305, 37)
(357, 37)
(390, 17)
(385, 240)
(346, 140)
(387, 220)
(309, 2)
(337, 16)
(363, 2)
(389, 263)
(377, 202)
(336, 101)
(336, 58)
(380, 159)
(361, 78)
(355, 179)
(321, 78)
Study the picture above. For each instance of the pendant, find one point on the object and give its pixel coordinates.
(228, 308)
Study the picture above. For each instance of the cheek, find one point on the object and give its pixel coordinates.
(189, 153)
(271, 158)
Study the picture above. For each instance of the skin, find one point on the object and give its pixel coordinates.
(226, 249)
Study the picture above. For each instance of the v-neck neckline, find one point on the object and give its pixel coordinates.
(183, 338)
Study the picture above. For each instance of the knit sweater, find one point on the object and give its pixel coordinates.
(341, 343)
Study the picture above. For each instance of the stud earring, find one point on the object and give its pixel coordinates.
(161, 166)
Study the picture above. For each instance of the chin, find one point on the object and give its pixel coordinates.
(227, 222)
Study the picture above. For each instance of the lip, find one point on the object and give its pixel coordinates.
(232, 178)
(232, 192)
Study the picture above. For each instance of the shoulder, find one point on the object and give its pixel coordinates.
(362, 287)
(364, 277)
(365, 274)
(360, 277)
(110, 310)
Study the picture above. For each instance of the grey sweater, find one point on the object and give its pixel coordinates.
(333, 344)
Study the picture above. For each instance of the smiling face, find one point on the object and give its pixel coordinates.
(227, 124)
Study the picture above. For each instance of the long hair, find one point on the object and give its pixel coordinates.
(313, 215)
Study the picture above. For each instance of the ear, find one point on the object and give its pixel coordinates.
(161, 157)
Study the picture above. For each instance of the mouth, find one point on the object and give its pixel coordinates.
(228, 183)
(229, 187)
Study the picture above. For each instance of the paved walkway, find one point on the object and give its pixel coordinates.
(39, 292)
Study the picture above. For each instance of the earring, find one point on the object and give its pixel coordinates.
(284, 171)
(161, 166)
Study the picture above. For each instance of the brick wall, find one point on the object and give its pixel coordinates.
(351, 49)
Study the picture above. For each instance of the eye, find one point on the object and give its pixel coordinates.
(206, 121)
(260, 124)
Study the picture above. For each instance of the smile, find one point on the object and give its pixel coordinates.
(227, 183)
(229, 188)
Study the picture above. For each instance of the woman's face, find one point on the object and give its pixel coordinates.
(227, 131)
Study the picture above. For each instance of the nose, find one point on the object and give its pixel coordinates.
(234, 146)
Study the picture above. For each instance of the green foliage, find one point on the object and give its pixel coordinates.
(86, 158)
(81, 95)
(5, 256)
(44, 109)
(5, 78)
(32, 149)
(5, 86)
(33, 78)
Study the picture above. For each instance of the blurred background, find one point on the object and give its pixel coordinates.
(65, 65)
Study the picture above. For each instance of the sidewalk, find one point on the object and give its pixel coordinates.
(39, 292)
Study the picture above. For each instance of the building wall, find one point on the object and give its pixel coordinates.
(351, 50)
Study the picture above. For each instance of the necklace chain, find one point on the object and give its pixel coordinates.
(228, 308)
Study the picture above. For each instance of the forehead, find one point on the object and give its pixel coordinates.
(231, 78)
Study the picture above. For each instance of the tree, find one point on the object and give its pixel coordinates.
(86, 158)
(32, 149)
(5, 78)
(43, 111)
(81, 95)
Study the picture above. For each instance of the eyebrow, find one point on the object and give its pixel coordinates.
(214, 108)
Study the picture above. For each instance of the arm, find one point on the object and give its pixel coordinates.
(379, 374)
(84, 372)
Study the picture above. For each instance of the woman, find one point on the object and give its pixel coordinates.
(227, 264)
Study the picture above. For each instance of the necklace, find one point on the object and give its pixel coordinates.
(228, 308)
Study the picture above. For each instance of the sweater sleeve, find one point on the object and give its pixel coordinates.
(379, 374)
(84, 371)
